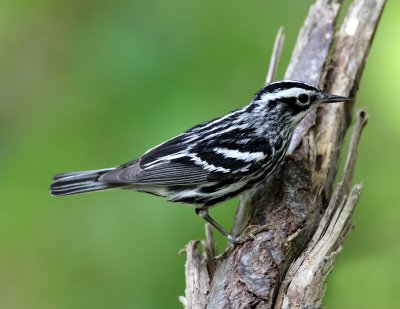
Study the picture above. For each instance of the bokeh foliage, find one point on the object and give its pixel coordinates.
(89, 84)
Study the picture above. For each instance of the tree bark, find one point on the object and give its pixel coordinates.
(286, 265)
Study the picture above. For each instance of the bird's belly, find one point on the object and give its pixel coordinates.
(207, 194)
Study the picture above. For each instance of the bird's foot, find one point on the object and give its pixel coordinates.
(248, 234)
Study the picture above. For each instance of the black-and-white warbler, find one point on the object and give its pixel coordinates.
(216, 160)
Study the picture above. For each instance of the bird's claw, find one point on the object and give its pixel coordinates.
(242, 238)
(237, 240)
(252, 231)
(233, 242)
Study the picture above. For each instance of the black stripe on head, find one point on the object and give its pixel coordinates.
(283, 85)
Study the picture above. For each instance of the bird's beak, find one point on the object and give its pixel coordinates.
(330, 98)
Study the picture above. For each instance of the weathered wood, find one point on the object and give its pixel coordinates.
(276, 56)
(304, 283)
(197, 278)
(307, 223)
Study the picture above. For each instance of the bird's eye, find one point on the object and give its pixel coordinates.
(303, 98)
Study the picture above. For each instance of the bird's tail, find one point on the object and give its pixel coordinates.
(79, 182)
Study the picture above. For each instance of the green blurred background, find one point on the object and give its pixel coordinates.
(90, 84)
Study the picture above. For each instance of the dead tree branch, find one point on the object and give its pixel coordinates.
(286, 266)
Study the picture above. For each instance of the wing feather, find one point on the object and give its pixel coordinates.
(170, 147)
(157, 167)
(166, 174)
(177, 162)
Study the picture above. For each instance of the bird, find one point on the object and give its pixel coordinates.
(215, 160)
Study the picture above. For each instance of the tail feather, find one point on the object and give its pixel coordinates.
(79, 182)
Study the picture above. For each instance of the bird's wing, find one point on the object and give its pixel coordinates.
(166, 174)
(184, 162)
(164, 165)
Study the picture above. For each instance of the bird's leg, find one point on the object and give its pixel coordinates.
(203, 212)
(236, 240)
(233, 240)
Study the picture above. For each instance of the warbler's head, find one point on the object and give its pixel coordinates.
(292, 100)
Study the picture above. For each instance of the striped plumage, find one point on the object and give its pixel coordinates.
(215, 160)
